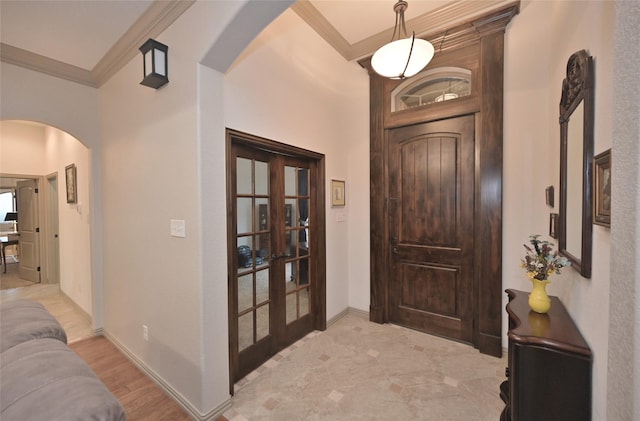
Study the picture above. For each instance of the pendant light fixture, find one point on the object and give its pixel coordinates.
(404, 56)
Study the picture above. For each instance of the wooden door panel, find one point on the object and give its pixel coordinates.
(431, 191)
(429, 288)
(428, 190)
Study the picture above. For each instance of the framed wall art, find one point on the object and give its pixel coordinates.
(553, 225)
(602, 187)
(337, 193)
(72, 183)
(549, 196)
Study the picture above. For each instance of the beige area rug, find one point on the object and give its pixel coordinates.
(11, 279)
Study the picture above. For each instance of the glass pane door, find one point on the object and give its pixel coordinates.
(297, 225)
(273, 232)
(253, 248)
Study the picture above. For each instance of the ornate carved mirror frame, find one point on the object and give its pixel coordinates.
(576, 157)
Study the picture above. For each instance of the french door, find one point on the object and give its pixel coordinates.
(276, 246)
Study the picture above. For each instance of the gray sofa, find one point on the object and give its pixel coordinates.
(43, 379)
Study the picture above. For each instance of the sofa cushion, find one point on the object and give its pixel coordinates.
(23, 320)
(43, 379)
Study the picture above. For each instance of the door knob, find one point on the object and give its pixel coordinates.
(395, 250)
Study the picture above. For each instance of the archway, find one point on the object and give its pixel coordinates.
(42, 153)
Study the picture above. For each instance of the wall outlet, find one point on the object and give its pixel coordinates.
(145, 333)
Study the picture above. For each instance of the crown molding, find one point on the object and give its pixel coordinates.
(162, 13)
(153, 21)
(322, 26)
(435, 21)
(46, 65)
(150, 24)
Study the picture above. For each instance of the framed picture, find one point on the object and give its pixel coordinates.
(337, 193)
(553, 225)
(549, 195)
(72, 184)
(602, 187)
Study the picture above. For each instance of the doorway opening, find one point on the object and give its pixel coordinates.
(276, 248)
(54, 240)
(19, 231)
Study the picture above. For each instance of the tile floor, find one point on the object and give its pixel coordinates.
(358, 370)
(355, 370)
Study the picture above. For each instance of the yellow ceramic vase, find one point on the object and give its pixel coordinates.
(538, 299)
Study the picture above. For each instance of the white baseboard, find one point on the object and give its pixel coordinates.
(158, 380)
(349, 310)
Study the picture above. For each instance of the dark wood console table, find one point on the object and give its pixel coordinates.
(549, 372)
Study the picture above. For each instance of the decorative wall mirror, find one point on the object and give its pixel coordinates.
(576, 156)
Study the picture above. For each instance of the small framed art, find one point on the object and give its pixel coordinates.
(72, 184)
(602, 187)
(549, 196)
(553, 225)
(337, 193)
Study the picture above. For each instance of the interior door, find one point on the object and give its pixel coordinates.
(298, 278)
(272, 271)
(431, 203)
(28, 230)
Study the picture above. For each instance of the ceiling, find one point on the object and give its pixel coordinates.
(89, 41)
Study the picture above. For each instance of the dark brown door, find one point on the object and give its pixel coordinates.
(431, 203)
(274, 298)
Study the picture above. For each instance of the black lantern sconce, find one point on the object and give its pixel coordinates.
(156, 69)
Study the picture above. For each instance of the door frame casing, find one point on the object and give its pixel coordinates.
(318, 251)
(51, 223)
(482, 37)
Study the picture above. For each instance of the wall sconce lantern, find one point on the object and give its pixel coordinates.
(155, 64)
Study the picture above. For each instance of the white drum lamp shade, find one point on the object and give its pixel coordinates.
(404, 56)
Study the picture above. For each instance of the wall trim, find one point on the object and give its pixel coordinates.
(150, 24)
(158, 380)
(432, 22)
(349, 310)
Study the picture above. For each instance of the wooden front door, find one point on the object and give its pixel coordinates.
(431, 213)
(276, 245)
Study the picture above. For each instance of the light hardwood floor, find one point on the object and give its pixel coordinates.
(142, 399)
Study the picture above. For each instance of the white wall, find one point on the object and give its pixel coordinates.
(73, 108)
(307, 95)
(155, 151)
(21, 148)
(35, 149)
(535, 65)
(63, 149)
(623, 397)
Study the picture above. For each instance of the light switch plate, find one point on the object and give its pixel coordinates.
(177, 228)
(340, 216)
